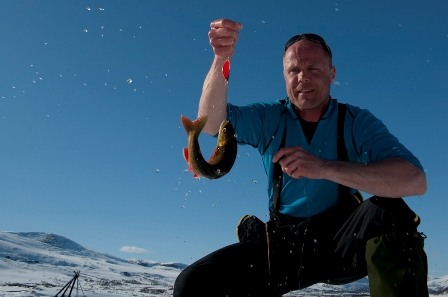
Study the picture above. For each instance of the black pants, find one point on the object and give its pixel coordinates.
(329, 248)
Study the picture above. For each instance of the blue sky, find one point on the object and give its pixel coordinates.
(91, 94)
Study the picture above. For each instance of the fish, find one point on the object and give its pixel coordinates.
(223, 157)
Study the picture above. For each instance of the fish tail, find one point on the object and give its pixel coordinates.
(194, 126)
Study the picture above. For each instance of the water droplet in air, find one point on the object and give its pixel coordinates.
(129, 80)
(85, 30)
(157, 170)
(218, 171)
(88, 8)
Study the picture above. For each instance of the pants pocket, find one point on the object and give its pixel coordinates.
(397, 265)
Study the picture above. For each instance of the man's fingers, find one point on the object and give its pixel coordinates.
(283, 152)
(223, 36)
(226, 23)
(222, 32)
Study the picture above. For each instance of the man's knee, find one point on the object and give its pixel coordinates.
(180, 285)
(197, 280)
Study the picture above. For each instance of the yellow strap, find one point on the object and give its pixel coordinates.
(359, 197)
(243, 218)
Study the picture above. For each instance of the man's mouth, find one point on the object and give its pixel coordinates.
(305, 91)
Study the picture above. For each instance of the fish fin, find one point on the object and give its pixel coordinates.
(215, 153)
(190, 168)
(185, 153)
(196, 125)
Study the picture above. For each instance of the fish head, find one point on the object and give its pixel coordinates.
(226, 133)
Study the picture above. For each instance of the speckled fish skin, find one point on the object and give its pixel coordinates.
(224, 155)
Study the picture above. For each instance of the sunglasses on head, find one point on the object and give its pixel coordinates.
(310, 37)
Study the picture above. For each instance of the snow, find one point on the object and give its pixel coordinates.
(40, 264)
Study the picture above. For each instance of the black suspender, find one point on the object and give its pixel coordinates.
(343, 191)
(278, 177)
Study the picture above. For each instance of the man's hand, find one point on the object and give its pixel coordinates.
(223, 36)
(298, 163)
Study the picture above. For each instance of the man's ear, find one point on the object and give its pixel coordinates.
(333, 73)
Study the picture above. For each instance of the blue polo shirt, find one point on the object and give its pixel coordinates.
(367, 139)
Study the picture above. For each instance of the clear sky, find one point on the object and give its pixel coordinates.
(91, 94)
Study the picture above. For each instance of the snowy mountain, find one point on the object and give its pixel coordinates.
(40, 264)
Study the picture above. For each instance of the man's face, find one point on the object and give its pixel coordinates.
(308, 76)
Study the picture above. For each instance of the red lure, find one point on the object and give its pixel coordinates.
(226, 70)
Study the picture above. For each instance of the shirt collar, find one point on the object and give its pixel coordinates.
(326, 114)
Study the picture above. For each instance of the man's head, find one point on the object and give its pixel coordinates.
(308, 72)
(311, 37)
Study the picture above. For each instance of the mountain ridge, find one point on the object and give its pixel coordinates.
(39, 264)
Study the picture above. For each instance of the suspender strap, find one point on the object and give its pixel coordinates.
(343, 191)
(278, 177)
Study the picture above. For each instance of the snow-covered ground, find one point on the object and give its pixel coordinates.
(40, 264)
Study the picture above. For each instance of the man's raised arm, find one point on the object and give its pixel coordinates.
(223, 35)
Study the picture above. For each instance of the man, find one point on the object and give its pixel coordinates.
(317, 154)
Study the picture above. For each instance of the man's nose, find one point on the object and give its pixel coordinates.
(302, 77)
